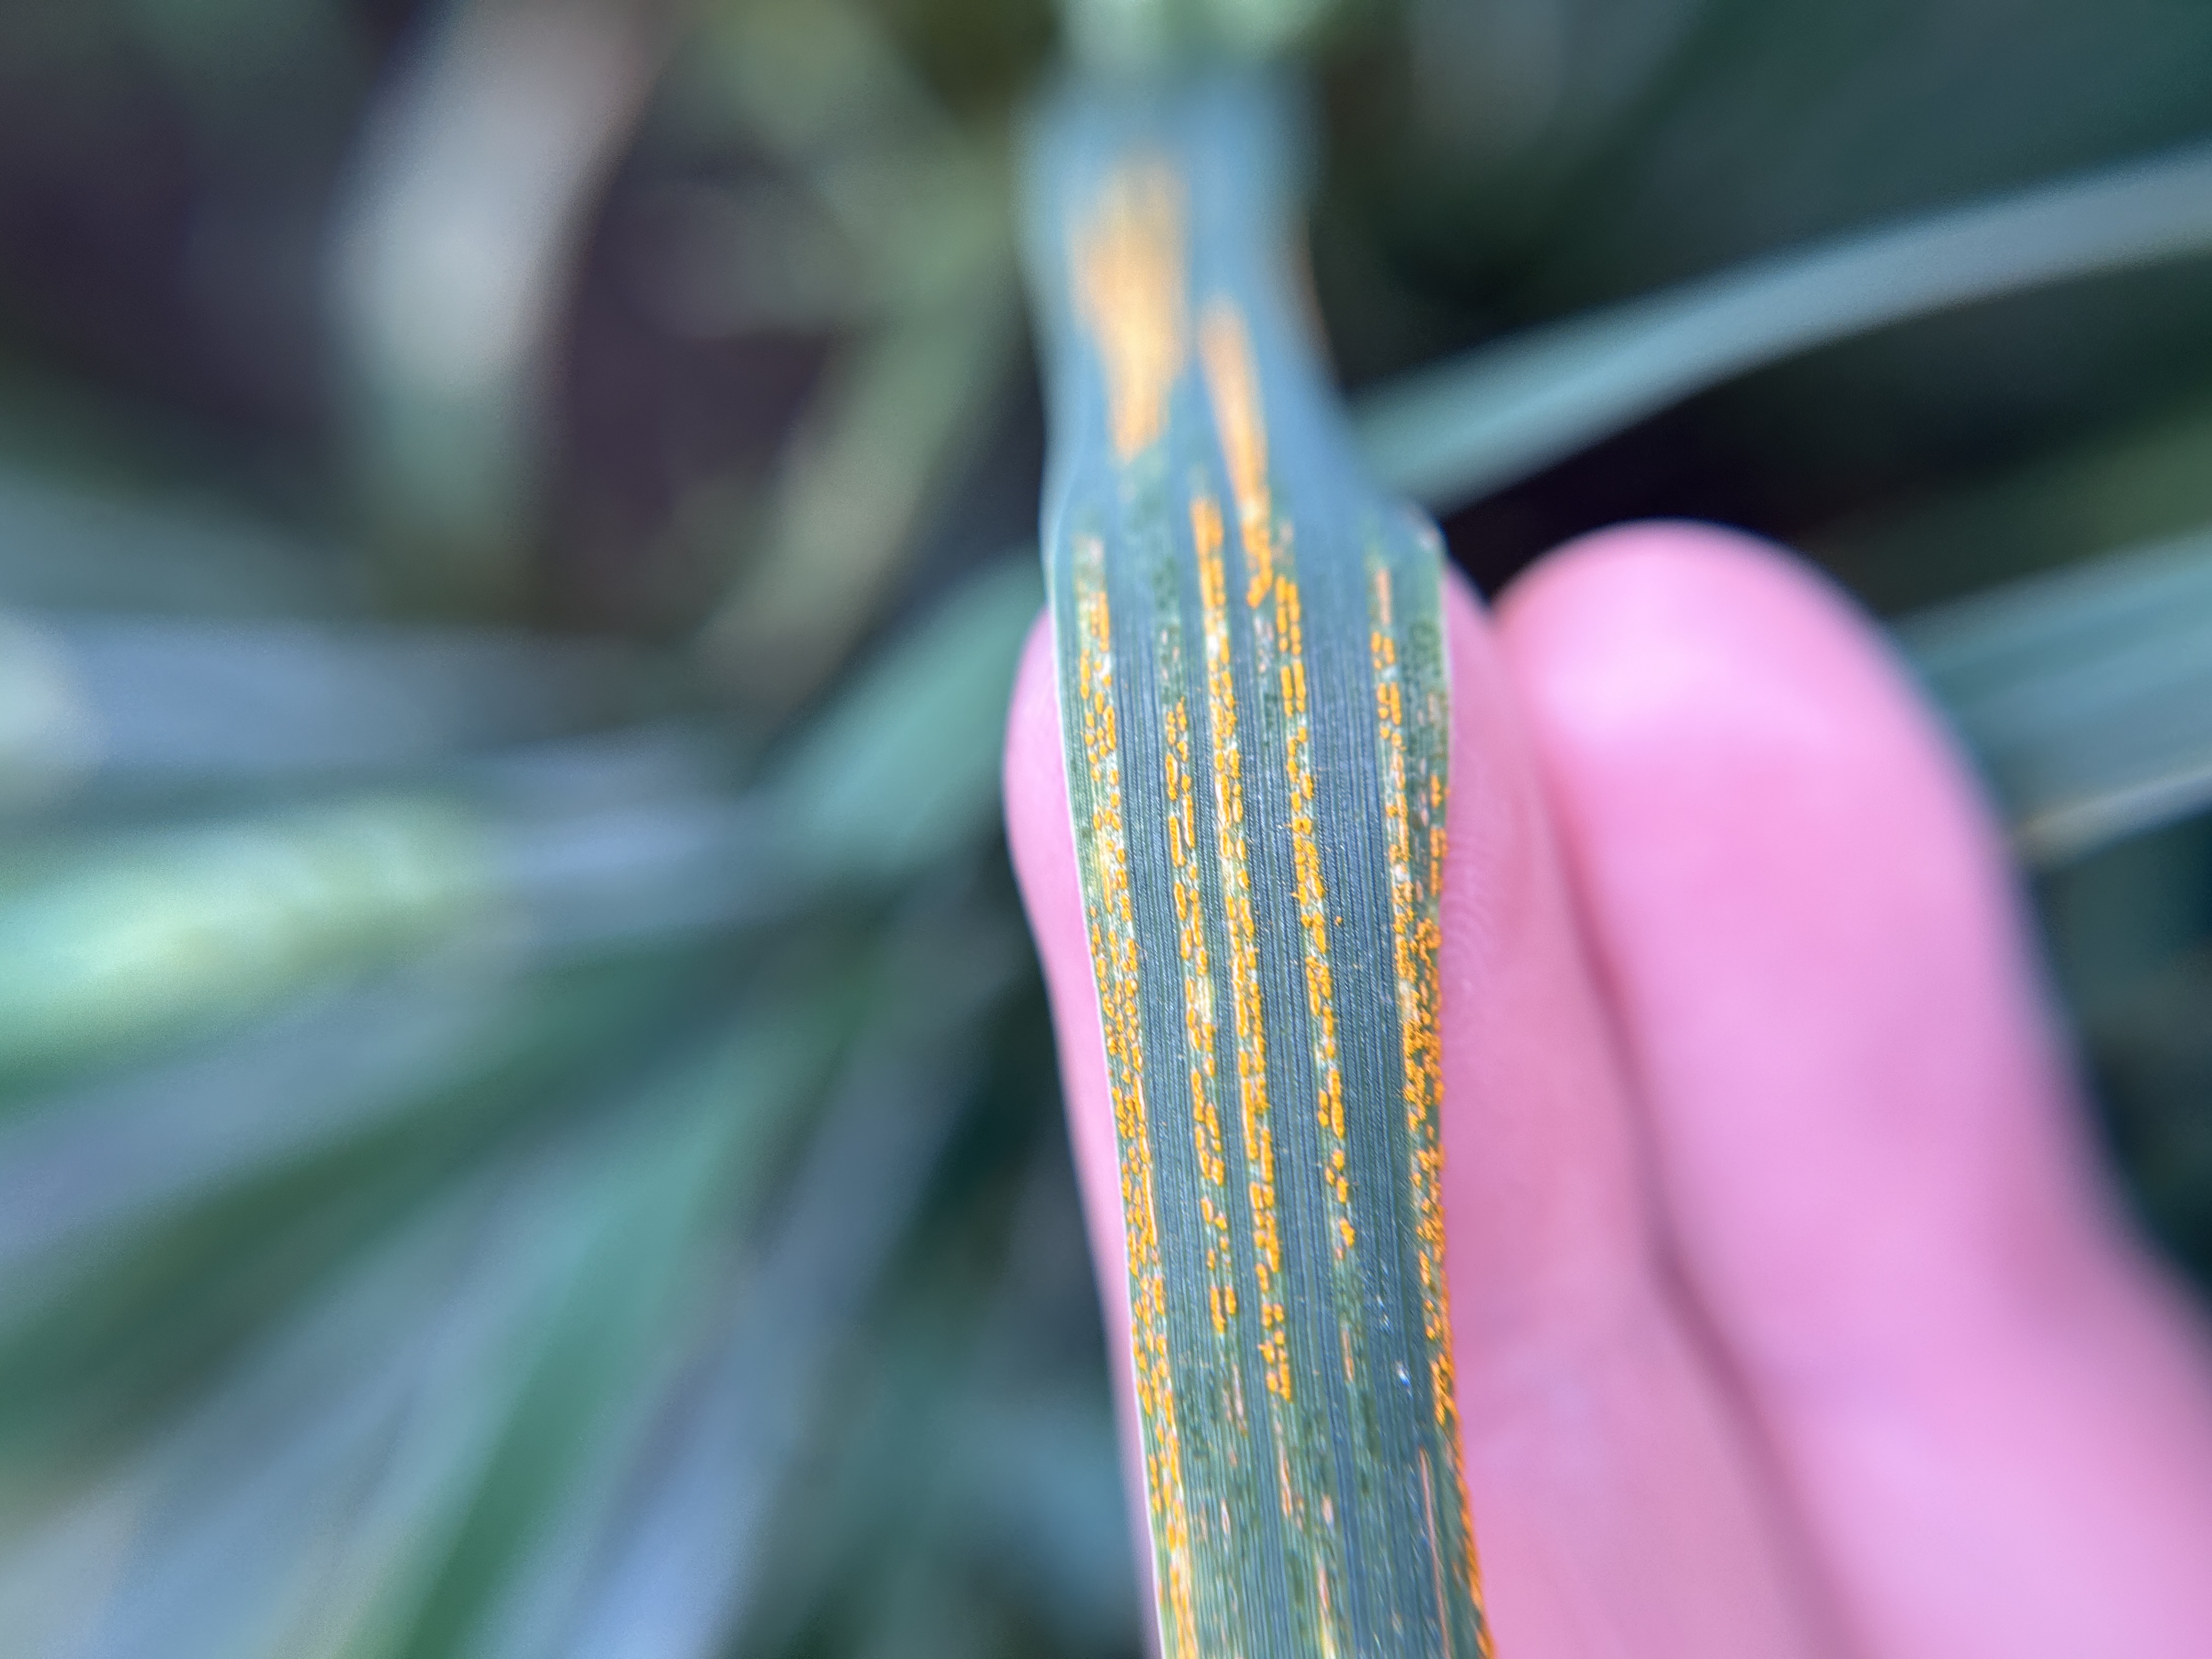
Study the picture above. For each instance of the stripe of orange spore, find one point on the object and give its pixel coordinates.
(1127, 254)
(1113, 963)
(1232, 384)
(1235, 391)
(1249, 1019)
(1416, 944)
(1198, 1014)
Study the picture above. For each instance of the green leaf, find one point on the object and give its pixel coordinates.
(903, 767)
(1253, 698)
(126, 1314)
(157, 701)
(1451, 434)
(2086, 694)
(164, 931)
(119, 1152)
(70, 547)
(642, 1248)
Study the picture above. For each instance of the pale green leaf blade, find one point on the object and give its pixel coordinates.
(2086, 694)
(1452, 433)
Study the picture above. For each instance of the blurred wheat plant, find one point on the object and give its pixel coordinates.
(527, 1118)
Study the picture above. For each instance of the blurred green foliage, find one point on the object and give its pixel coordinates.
(526, 1120)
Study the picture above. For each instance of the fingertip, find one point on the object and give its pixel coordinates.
(1041, 838)
(1585, 1408)
(1870, 1164)
(1031, 773)
(1805, 912)
(1683, 633)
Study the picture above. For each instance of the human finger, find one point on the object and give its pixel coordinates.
(1994, 1419)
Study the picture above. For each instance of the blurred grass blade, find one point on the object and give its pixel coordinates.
(117, 1152)
(2086, 694)
(1449, 435)
(164, 932)
(49, 729)
(125, 1322)
(861, 475)
(452, 257)
(903, 767)
(243, 1495)
(156, 701)
(977, 1299)
(649, 1243)
(433, 1453)
(648, 1552)
(1253, 694)
(71, 548)
(900, 771)
(158, 933)
(1118, 37)
(2149, 481)
(902, 406)
(677, 1568)
(656, 873)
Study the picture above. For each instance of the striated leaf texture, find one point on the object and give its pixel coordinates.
(1254, 697)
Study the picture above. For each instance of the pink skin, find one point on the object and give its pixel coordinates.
(1791, 1316)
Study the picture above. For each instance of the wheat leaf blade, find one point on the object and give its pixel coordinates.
(1254, 701)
